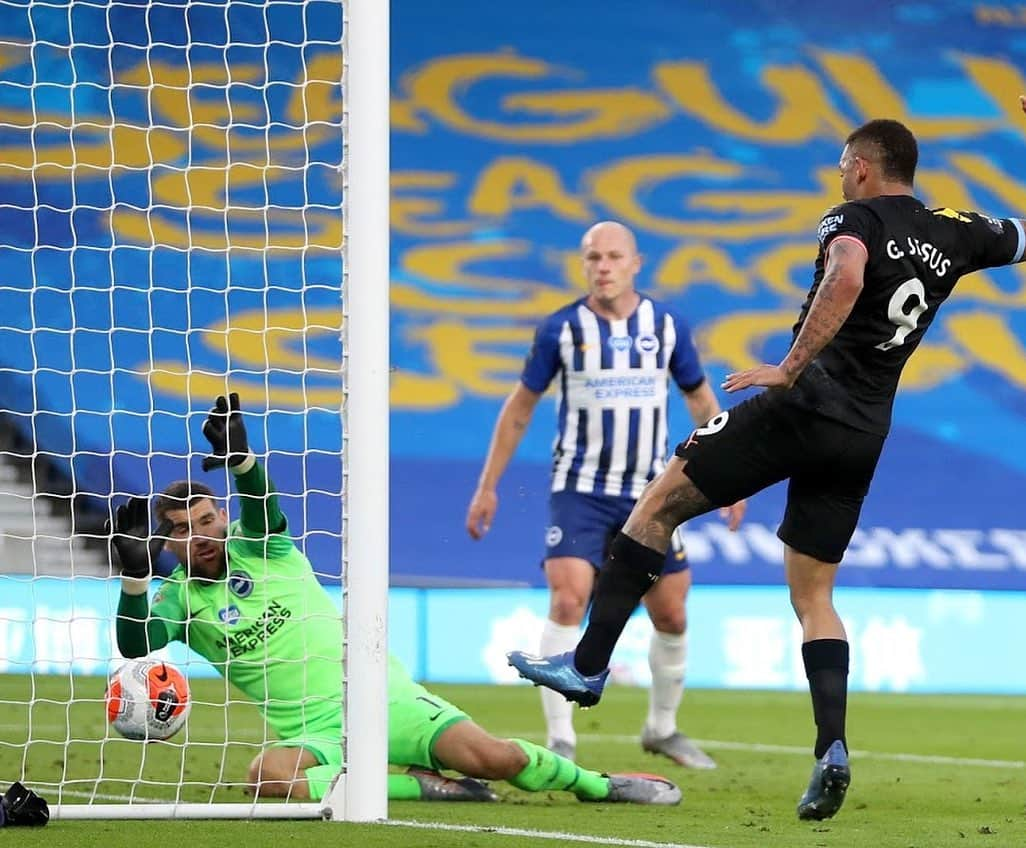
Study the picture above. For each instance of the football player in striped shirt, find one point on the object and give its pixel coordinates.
(612, 355)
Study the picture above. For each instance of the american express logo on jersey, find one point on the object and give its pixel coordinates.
(634, 386)
(256, 633)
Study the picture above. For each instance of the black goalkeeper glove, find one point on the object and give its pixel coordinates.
(137, 550)
(22, 806)
(226, 432)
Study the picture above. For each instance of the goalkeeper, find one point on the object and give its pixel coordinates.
(245, 598)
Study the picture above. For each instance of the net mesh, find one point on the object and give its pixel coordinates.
(170, 229)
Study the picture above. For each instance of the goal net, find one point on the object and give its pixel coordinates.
(174, 181)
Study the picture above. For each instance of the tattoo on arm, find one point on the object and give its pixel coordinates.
(830, 307)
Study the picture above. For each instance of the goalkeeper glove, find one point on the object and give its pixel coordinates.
(136, 549)
(226, 432)
(22, 806)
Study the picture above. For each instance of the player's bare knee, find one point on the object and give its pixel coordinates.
(271, 777)
(566, 608)
(806, 599)
(500, 760)
(262, 779)
(512, 760)
(648, 504)
(672, 621)
(655, 516)
(256, 770)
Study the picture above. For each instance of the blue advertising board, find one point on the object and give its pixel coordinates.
(902, 640)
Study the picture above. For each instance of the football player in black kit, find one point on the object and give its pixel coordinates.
(885, 265)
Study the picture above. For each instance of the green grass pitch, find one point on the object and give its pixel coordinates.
(928, 772)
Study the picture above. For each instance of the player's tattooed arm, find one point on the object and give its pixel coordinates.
(835, 297)
(837, 293)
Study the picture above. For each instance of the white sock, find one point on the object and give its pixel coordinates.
(667, 658)
(559, 722)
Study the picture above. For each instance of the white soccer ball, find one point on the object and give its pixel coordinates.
(148, 699)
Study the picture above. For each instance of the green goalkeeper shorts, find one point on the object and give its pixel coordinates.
(416, 718)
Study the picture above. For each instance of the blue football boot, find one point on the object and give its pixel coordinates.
(830, 778)
(559, 674)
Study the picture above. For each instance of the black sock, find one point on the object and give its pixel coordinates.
(826, 666)
(629, 571)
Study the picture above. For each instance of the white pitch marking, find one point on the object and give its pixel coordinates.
(540, 834)
(758, 747)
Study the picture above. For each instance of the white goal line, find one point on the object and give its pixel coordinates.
(558, 836)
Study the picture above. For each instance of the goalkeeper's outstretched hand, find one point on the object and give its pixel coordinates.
(130, 536)
(226, 432)
(21, 806)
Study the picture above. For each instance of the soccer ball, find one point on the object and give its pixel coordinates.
(147, 699)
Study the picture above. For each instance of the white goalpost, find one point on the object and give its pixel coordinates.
(360, 794)
(195, 202)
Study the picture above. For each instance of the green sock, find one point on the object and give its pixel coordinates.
(403, 787)
(318, 779)
(545, 770)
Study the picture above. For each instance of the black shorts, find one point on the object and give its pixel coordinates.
(766, 439)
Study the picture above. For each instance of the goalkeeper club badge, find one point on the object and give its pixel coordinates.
(240, 584)
(229, 615)
(553, 536)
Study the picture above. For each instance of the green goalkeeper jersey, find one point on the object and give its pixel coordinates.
(268, 626)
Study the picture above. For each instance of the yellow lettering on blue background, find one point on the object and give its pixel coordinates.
(215, 167)
(734, 340)
(804, 111)
(412, 215)
(623, 186)
(1000, 82)
(990, 342)
(513, 183)
(275, 343)
(868, 89)
(569, 115)
(466, 356)
(787, 268)
(459, 291)
(700, 262)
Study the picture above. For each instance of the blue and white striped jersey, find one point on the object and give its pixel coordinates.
(612, 392)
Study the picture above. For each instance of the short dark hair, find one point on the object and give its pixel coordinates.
(181, 494)
(892, 144)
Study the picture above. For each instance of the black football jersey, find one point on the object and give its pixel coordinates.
(915, 257)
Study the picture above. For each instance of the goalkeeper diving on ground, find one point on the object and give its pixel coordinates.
(246, 598)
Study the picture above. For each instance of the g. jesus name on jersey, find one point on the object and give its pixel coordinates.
(915, 256)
